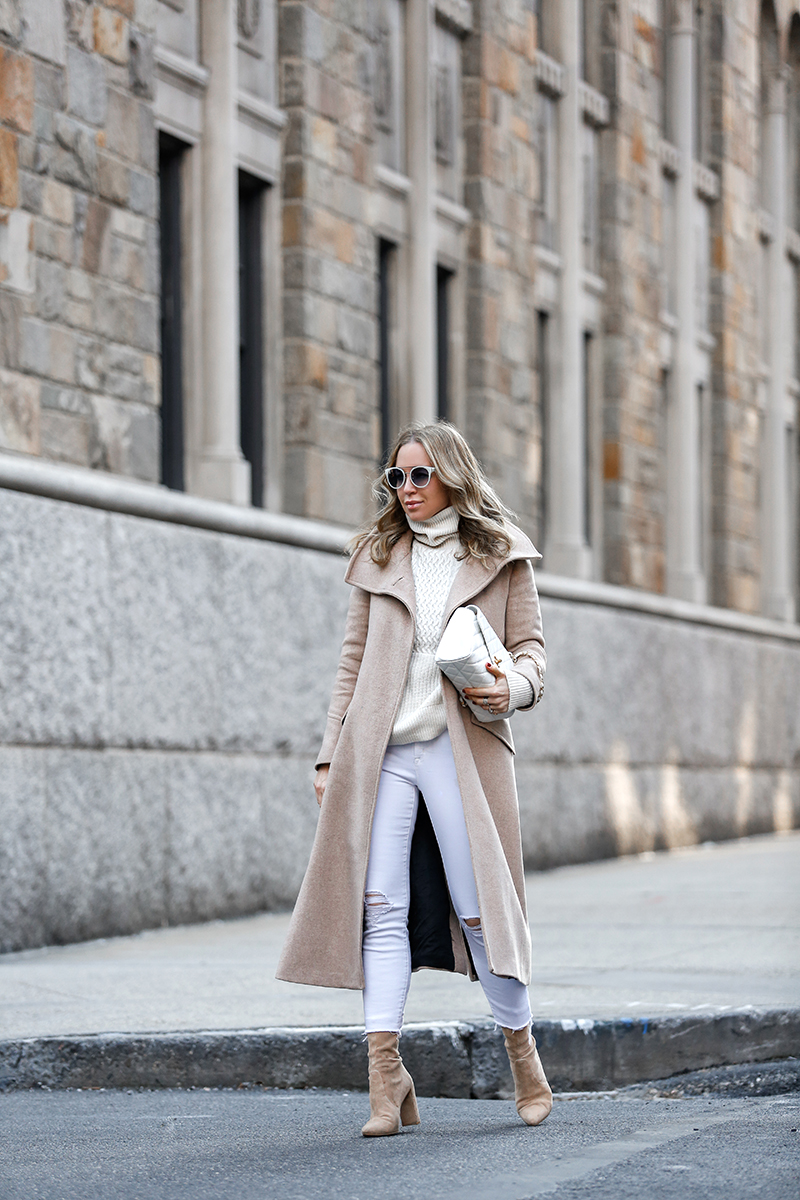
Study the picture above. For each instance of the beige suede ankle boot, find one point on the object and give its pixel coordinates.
(392, 1099)
(532, 1091)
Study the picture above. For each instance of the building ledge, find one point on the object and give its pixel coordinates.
(111, 493)
(609, 595)
(180, 71)
(96, 489)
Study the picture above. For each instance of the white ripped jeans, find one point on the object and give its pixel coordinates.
(426, 767)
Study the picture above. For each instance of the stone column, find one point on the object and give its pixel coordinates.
(776, 577)
(222, 472)
(685, 577)
(567, 552)
(422, 238)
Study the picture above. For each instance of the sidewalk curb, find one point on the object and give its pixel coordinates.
(454, 1059)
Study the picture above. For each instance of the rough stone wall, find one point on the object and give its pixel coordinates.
(79, 367)
(734, 308)
(151, 773)
(503, 413)
(330, 294)
(634, 430)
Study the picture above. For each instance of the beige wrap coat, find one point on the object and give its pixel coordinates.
(324, 940)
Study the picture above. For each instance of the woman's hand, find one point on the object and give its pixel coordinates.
(497, 694)
(320, 780)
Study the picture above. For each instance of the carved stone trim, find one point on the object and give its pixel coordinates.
(669, 158)
(444, 114)
(594, 105)
(249, 16)
(549, 75)
(180, 71)
(706, 182)
(382, 91)
(455, 15)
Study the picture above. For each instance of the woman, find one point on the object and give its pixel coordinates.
(417, 859)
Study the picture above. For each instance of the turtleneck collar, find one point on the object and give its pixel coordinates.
(437, 529)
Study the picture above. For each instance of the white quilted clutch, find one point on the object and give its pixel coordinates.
(467, 644)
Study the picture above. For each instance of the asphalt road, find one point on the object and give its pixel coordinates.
(210, 1145)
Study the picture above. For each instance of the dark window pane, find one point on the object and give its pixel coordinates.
(251, 331)
(443, 382)
(385, 262)
(543, 365)
(171, 152)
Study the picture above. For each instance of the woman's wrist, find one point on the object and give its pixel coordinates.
(521, 693)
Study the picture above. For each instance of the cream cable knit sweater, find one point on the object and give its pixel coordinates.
(421, 715)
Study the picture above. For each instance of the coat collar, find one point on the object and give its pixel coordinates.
(396, 579)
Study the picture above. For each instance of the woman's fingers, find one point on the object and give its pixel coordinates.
(320, 781)
(497, 695)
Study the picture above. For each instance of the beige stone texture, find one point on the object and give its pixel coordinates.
(113, 180)
(16, 90)
(9, 169)
(58, 202)
(66, 437)
(110, 34)
(19, 413)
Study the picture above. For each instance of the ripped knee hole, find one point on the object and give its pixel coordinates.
(376, 905)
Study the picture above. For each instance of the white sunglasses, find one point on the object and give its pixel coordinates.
(419, 476)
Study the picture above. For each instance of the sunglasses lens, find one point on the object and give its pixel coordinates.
(395, 477)
(421, 476)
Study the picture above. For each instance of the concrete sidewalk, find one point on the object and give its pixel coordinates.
(695, 940)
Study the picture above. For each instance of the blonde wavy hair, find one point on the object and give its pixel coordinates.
(482, 516)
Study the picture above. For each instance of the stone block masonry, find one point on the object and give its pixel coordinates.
(78, 236)
(330, 263)
(503, 408)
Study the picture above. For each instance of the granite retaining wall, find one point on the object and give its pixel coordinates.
(163, 692)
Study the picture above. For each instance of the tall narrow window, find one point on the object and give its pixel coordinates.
(170, 156)
(582, 40)
(543, 371)
(669, 243)
(589, 14)
(793, 509)
(587, 437)
(537, 21)
(547, 205)
(769, 67)
(793, 125)
(546, 20)
(591, 197)
(702, 268)
(389, 73)
(251, 331)
(704, 516)
(386, 257)
(443, 380)
(701, 80)
(664, 23)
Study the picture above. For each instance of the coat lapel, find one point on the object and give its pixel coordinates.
(394, 579)
(473, 576)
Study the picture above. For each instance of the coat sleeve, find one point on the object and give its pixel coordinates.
(524, 636)
(355, 636)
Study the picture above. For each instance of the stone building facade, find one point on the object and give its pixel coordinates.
(241, 243)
